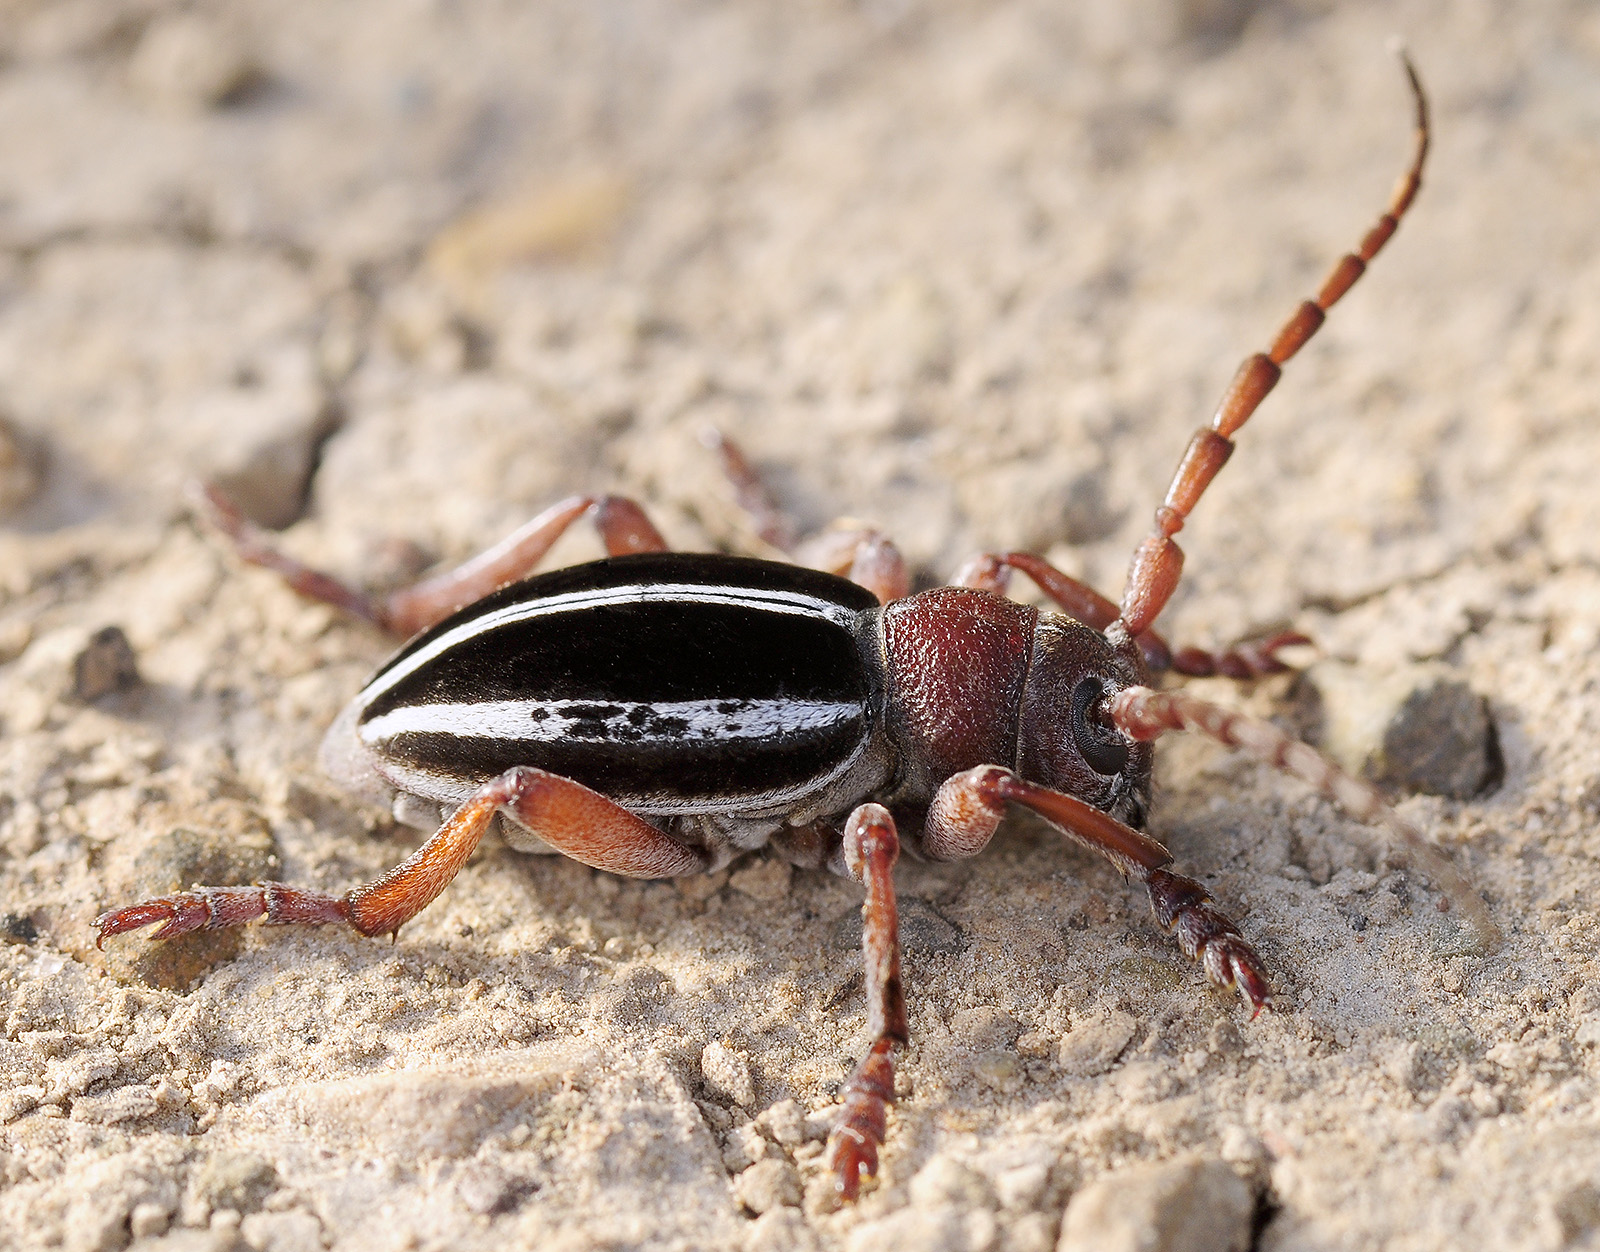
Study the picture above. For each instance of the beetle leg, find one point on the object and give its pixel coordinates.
(770, 522)
(991, 571)
(379, 907)
(568, 816)
(1251, 658)
(622, 524)
(251, 544)
(592, 828)
(871, 847)
(968, 806)
(862, 554)
(623, 528)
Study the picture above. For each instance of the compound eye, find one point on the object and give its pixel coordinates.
(1102, 747)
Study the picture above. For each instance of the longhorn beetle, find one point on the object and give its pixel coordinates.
(657, 713)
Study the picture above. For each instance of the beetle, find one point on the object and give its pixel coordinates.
(656, 714)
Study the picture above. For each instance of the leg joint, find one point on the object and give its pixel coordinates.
(1173, 894)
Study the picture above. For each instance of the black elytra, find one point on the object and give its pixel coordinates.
(624, 672)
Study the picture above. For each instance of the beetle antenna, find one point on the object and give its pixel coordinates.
(1158, 561)
(1143, 713)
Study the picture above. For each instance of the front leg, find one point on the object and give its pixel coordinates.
(567, 815)
(968, 807)
(1142, 713)
(871, 847)
(1253, 658)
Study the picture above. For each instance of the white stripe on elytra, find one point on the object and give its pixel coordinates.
(604, 597)
(693, 719)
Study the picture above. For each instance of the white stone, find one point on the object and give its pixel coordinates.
(728, 1072)
(1189, 1205)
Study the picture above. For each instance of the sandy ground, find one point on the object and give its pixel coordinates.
(970, 271)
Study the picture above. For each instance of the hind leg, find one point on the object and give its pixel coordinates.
(862, 554)
(622, 524)
(571, 818)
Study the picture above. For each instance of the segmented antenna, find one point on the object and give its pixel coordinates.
(1158, 561)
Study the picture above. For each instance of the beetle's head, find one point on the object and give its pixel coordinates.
(1066, 739)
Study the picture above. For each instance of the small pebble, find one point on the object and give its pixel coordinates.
(486, 1189)
(1093, 1047)
(1420, 728)
(945, 1180)
(236, 1182)
(743, 1148)
(785, 1122)
(19, 1101)
(105, 665)
(999, 1069)
(916, 1228)
(767, 1185)
(189, 62)
(781, 1230)
(17, 928)
(294, 1231)
(125, 1105)
(148, 1220)
(728, 1073)
(1190, 1205)
(985, 1027)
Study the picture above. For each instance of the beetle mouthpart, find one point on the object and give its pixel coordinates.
(1144, 714)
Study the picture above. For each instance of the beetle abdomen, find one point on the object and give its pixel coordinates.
(672, 683)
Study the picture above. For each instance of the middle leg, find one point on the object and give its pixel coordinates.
(861, 553)
(871, 847)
